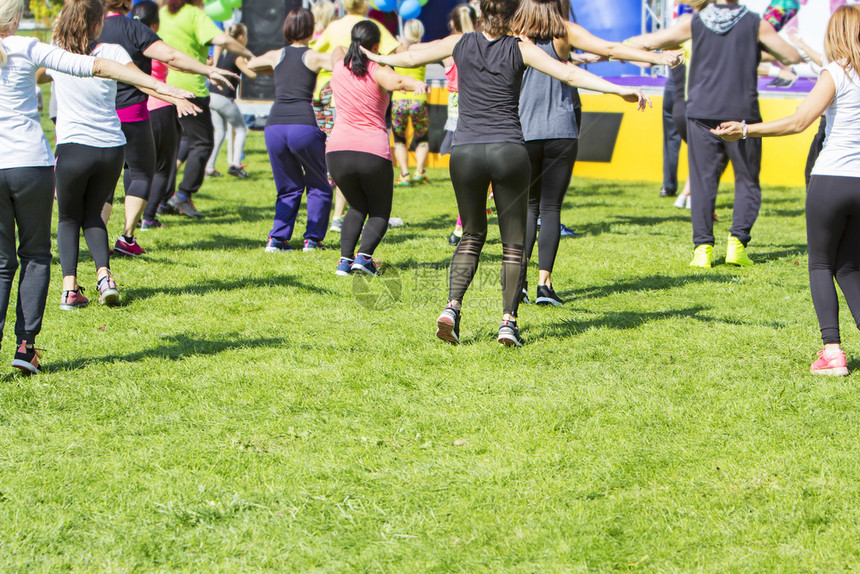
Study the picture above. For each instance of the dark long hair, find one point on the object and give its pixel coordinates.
(496, 16)
(366, 35)
(146, 12)
(174, 6)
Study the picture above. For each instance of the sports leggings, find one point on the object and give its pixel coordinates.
(225, 112)
(551, 168)
(367, 182)
(473, 168)
(139, 159)
(833, 235)
(200, 133)
(165, 131)
(86, 176)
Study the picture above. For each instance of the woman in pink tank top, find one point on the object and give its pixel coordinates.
(358, 153)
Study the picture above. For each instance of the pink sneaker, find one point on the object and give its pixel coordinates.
(72, 300)
(131, 249)
(830, 363)
(27, 359)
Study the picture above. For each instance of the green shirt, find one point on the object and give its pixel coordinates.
(190, 30)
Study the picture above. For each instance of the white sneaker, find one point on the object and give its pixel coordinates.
(681, 202)
(689, 203)
(395, 222)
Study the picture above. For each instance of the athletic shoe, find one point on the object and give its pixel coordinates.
(509, 335)
(364, 264)
(184, 206)
(448, 325)
(454, 239)
(420, 177)
(666, 192)
(165, 209)
(546, 296)
(310, 245)
(277, 246)
(146, 225)
(524, 294)
(395, 222)
(336, 224)
(214, 173)
(681, 202)
(830, 363)
(703, 256)
(736, 253)
(27, 359)
(71, 300)
(108, 292)
(689, 203)
(782, 83)
(344, 267)
(130, 248)
(403, 180)
(568, 232)
(238, 171)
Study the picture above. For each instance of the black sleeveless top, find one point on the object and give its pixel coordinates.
(294, 90)
(227, 61)
(490, 73)
(723, 82)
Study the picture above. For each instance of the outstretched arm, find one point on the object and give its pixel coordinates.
(584, 40)
(232, 45)
(185, 63)
(814, 55)
(810, 110)
(417, 58)
(577, 77)
(670, 37)
(131, 74)
(776, 46)
(389, 80)
(266, 63)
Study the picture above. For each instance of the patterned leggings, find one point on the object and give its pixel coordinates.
(778, 17)
(401, 111)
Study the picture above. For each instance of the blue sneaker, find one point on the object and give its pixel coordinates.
(310, 245)
(364, 264)
(277, 246)
(567, 232)
(344, 267)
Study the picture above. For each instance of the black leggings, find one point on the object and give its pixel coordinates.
(473, 168)
(200, 133)
(86, 176)
(833, 235)
(815, 148)
(367, 182)
(551, 167)
(165, 131)
(139, 159)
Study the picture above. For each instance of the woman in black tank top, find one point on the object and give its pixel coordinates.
(296, 145)
(489, 149)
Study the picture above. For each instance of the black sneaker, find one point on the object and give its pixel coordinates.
(666, 192)
(454, 239)
(524, 295)
(546, 296)
(27, 359)
(509, 335)
(237, 171)
(184, 206)
(165, 209)
(448, 325)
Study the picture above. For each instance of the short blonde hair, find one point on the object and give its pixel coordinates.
(323, 12)
(413, 30)
(356, 6)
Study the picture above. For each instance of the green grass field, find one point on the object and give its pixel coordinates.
(244, 411)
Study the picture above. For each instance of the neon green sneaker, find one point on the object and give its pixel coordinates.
(703, 256)
(736, 253)
(403, 180)
(420, 177)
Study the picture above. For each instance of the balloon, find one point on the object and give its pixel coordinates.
(233, 3)
(386, 5)
(423, 2)
(409, 9)
(218, 11)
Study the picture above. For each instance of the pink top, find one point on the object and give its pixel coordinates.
(133, 113)
(451, 77)
(359, 123)
(159, 72)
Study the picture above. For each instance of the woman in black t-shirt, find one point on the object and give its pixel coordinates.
(488, 148)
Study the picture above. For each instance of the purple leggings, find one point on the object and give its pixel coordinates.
(297, 154)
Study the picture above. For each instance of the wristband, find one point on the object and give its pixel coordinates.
(745, 128)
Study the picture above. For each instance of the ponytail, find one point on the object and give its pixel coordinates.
(366, 35)
(11, 12)
(76, 21)
(463, 18)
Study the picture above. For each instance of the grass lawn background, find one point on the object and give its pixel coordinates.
(244, 411)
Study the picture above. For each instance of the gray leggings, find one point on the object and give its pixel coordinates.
(26, 202)
(224, 112)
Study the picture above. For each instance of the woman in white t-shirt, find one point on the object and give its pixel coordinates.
(27, 170)
(833, 198)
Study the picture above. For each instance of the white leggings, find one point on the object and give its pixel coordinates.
(224, 112)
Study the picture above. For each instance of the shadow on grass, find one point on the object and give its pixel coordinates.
(213, 285)
(649, 283)
(174, 348)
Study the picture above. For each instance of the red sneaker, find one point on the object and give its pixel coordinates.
(27, 359)
(830, 363)
(132, 249)
(71, 300)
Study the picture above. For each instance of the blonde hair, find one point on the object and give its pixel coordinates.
(355, 6)
(697, 5)
(413, 30)
(323, 12)
(464, 18)
(841, 40)
(11, 12)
